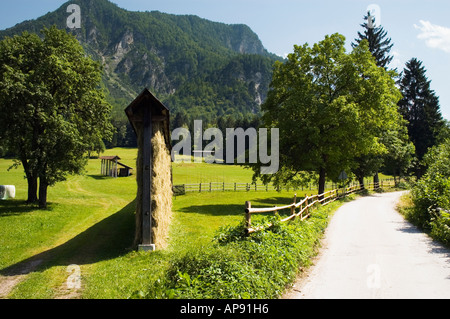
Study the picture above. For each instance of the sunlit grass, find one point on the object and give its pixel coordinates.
(90, 222)
(85, 206)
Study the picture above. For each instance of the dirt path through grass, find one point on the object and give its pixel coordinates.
(103, 240)
(83, 241)
(9, 281)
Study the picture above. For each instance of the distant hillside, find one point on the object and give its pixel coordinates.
(201, 68)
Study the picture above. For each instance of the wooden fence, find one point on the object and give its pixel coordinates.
(182, 189)
(306, 205)
(221, 187)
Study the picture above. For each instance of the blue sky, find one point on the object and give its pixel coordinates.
(418, 29)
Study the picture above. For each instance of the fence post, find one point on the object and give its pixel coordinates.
(307, 208)
(248, 216)
(301, 212)
(293, 207)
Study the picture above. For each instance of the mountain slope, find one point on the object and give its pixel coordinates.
(204, 68)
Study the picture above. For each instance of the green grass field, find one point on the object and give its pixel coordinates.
(90, 223)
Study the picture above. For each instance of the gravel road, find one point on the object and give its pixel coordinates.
(371, 252)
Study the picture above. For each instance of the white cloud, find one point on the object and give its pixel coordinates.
(397, 61)
(435, 36)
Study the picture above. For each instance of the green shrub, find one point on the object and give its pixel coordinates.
(440, 228)
(431, 195)
(236, 266)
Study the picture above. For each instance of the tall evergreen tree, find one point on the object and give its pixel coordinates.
(420, 107)
(379, 45)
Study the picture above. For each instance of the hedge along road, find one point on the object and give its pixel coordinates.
(370, 251)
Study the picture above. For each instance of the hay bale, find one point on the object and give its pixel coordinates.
(11, 191)
(7, 192)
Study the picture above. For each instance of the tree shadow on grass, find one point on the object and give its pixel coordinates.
(99, 177)
(214, 209)
(274, 201)
(235, 209)
(19, 207)
(110, 238)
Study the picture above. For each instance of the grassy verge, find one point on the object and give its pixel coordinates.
(439, 227)
(405, 206)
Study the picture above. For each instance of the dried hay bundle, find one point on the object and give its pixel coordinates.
(161, 188)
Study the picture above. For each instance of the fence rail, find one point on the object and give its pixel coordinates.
(221, 187)
(182, 189)
(306, 204)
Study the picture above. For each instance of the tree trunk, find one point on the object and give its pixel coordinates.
(43, 186)
(32, 183)
(361, 181)
(376, 180)
(395, 179)
(32, 189)
(322, 179)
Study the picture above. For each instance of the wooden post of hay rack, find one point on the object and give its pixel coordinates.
(149, 117)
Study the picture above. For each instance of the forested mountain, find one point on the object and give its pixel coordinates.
(204, 69)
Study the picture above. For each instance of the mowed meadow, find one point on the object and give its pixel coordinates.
(90, 224)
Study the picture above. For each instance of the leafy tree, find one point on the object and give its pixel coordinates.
(379, 45)
(52, 110)
(396, 156)
(400, 150)
(328, 105)
(180, 119)
(420, 107)
(368, 165)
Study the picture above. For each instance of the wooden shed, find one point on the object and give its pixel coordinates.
(125, 170)
(112, 167)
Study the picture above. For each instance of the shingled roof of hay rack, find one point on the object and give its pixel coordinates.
(160, 113)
